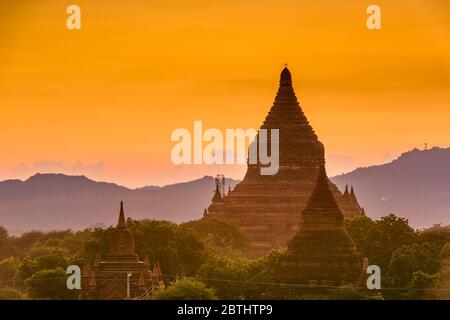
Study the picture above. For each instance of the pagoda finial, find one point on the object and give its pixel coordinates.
(285, 77)
(122, 223)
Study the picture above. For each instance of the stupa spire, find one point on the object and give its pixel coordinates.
(353, 197)
(346, 190)
(217, 196)
(122, 223)
(322, 200)
(352, 193)
(285, 77)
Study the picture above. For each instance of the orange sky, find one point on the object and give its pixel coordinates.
(104, 100)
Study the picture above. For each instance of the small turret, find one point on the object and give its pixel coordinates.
(122, 223)
(217, 196)
(353, 197)
(346, 193)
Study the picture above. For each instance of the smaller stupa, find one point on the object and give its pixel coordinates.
(121, 275)
(321, 255)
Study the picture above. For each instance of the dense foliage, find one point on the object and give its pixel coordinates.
(410, 261)
(186, 289)
(209, 258)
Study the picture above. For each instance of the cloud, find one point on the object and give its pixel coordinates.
(25, 170)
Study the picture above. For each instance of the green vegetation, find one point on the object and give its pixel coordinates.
(186, 289)
(209, 258)
(410, 261)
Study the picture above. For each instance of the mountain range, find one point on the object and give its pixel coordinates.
(58, 201)
(415, 186)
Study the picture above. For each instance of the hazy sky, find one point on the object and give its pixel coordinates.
(104, 100)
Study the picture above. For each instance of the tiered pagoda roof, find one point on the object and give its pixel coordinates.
(321, 255)
(268, 207)
(108, 278)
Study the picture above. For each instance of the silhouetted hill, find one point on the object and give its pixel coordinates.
(56, 201)
(415, 186)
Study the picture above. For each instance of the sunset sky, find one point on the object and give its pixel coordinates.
(103, 101)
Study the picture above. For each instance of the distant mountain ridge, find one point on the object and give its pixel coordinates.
(57, 201)
(415, 186)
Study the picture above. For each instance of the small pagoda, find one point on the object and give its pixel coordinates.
(120, 275)
(321, 255)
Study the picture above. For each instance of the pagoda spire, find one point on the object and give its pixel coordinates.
(217, 196)
(353, 197)
(352, 193)
(346, 190)
(285, 77)
(322, 201)
(122, 223)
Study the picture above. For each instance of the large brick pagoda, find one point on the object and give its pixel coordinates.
(268, 207)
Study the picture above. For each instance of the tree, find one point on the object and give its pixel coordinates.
(178, 249)
(186, 289)
(360, 229)
(348, 293)
(220, 234)
(28, 239)
(436, 235)
(98, 243)
(377, 240)
(7, 248)
(8, 269)
(50, 284)
(227, 276)
(261, 271)
(412, 269)
(52, 260)
(9, 293)
(25, 270)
